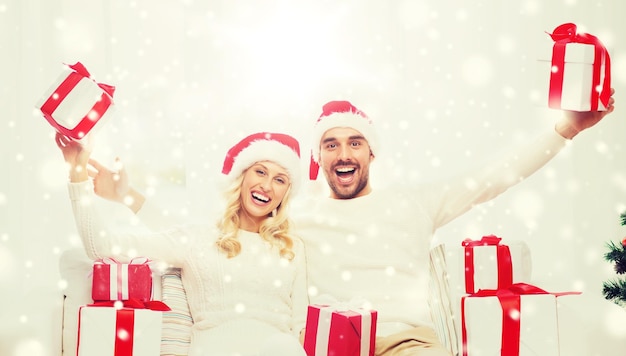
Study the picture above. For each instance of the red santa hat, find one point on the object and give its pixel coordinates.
(340, 114)
(264, 146)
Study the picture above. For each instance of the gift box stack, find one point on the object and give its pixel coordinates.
(577, 74)
(496, 309)
(342, 329)
(75, 104)
(124, 319)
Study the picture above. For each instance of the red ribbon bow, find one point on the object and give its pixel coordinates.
(133, 303)
(505, 264)
(510, 302)
(82, 70)
(564, 34)
(489, 240)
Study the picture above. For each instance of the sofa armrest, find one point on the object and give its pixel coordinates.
(75, 268)
(439, 300)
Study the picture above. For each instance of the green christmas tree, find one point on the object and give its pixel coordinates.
(615, 290)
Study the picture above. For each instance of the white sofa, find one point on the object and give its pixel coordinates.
(75, 268)
(584, 331)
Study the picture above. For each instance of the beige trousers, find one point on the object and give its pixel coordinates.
(420, 341)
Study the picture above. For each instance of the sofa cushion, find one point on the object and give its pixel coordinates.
(75, 270)
(439, 301)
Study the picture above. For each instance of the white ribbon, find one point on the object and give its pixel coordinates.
(118, 283)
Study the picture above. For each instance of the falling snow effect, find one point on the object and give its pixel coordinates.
(448, 85)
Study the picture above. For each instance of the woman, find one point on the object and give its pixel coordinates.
(245, 278)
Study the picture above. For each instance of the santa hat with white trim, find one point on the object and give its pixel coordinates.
(264, 146)
(340, 114)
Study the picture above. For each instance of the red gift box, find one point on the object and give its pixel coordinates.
(121, 281)
(131, 328)
(589, 88)
(75, 103)
(340, 330)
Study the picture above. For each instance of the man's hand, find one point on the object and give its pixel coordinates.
(114, 185)
(109, 184)
(574, 122)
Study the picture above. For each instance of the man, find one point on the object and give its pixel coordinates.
(373, 244)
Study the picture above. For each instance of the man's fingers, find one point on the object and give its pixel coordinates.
(121, 171)
(117, 174)
(118, 165)
(97, 165)
(91, 172)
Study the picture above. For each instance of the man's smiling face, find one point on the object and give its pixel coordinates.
(345, 158)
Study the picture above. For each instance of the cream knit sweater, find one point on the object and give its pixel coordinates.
(376, 247)
(256, 285)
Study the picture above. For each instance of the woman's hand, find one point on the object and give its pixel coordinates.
(76, 155)
(301, 336)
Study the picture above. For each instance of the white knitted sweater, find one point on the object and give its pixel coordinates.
(257, 284)
(376, 247)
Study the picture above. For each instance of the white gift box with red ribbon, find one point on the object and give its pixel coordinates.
(75, 103)
(120, 331)
(340, 330)
(519, 321)
(488, 263)
(113, 280)
(577, 74)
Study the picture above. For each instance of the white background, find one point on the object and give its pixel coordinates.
(448, 83)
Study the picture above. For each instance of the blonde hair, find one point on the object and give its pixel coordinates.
(274, 229)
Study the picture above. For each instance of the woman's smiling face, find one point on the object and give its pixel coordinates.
(263, 188)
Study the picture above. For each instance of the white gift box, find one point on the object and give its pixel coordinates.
(575, 91)
(485, 266)
(575, 72)
(119, 332)
(538, 317)
(485, 273)
(75, 103)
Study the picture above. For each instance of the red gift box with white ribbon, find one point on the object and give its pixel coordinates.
(521, 320)
(131, 328)
(113, 280)
(340, 330)
(579, 71)
(75, 103)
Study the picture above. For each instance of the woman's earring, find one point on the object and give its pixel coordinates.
(274, 212)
